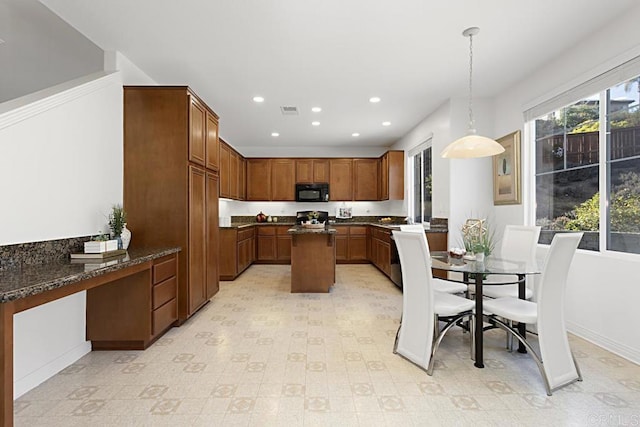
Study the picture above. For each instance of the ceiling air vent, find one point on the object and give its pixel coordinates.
(289, 111)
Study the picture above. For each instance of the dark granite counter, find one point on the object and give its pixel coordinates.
(338, 224)
(305, 230)
(26, 280)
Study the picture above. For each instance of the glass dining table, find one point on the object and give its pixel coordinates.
(474, 273)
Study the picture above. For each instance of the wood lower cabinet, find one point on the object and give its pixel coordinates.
(132, 312)
(273, 244)
(170, 196)
(358, 243)
(342, 243)
(239, 253)
(381, 249)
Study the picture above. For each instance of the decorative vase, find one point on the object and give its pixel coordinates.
(480, 257)
(125, 236)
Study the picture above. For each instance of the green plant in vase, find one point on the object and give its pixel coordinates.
(117, 221)
(478, 238)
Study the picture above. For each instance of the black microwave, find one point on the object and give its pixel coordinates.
(312, 192)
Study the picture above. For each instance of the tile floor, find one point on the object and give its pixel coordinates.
(260, 356)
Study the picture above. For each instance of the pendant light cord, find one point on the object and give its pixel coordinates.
(471, 123)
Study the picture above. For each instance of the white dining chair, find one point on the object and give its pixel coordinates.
(419, 334)
(439, 285)
(519, 243)
(555, 361)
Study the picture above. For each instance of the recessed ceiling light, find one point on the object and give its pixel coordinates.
(258, 99)
(374, 99)
(386, 123)
(1, 41)
(315, 123)
(316, 109)
(355, 134)
(274, 134)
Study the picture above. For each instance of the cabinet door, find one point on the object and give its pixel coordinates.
(234, 175)
(320, 170)
(365, 179)
(342, 248)
(283, 248)
(385, 257)
(357, 248)
(384, 177)
(213, 234)
(340, 179)
(258, 179)
(267, 250)
(228, 259)
(243, 178)
(225, 165)
(196, 288)
(395, 175)
(304, 171)
(212, 142)
(283, 179)
(196, 132)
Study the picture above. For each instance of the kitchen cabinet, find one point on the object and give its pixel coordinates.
(234, 175)
(258, 179)
(283, 179)
(133, 311)
(212, 142)
(267, 248)
(342, 243)
(340, 179)
(311, 171)
(365, 179)
(239, 253)
(358, 243)
(392, 175)
(170, 196)
(225, 166)
(243, 178)
(381, 249)
(283, 244)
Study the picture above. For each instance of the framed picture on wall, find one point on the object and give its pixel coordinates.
(506, 171)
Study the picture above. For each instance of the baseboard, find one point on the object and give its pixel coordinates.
(42, 374)
(622, 350)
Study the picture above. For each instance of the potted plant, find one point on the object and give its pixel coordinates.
(478, 238)
(118, 225)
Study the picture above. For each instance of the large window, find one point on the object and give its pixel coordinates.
(583, 185)
(420, 196)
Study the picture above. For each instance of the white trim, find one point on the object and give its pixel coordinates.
(615, 347)
(40, 375)
(19, 109)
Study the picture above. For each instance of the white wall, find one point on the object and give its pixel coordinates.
(602, 294)
(60, 172)
(131, 74)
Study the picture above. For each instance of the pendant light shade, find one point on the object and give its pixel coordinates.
(471, 145)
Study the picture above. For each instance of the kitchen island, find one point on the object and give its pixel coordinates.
(313, 259)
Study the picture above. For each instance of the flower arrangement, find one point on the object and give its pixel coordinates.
(313, 216)
(117, 220)
(477, 237)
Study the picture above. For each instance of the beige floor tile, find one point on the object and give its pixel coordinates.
(260, 356)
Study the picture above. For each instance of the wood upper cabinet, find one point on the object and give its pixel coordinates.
(197, 238)
(340, 179)
(197, 114)
(258, 179)
(309, 171)
(234, 175)
(243, 178)
(392, 175)
(212, 142)
(225, 165)
(283, 179)
(321, 170)
(213, 235)
(365, 179)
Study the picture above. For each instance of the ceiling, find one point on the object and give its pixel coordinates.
(334, 54)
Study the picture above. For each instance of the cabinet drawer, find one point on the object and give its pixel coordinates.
(342, 229)
(245, 234)
(266, 230)
(358, 230)
(282, 230)
(163, 292)
(163, 270)
(165, 316)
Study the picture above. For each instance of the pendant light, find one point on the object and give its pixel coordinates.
(471, 145)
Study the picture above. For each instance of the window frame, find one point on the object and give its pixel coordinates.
(411, 154)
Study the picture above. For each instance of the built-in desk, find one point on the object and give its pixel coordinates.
(131, 301)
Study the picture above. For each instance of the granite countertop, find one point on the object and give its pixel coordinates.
(391, 226)
(305, 230)
(26, 280)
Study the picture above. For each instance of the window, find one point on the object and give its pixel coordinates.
(420, 196)
(582, 185)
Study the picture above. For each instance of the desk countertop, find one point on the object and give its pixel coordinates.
(28, 280)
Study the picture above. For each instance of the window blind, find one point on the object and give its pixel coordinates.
(619, 74)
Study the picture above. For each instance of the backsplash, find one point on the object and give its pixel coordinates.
(14, 256)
